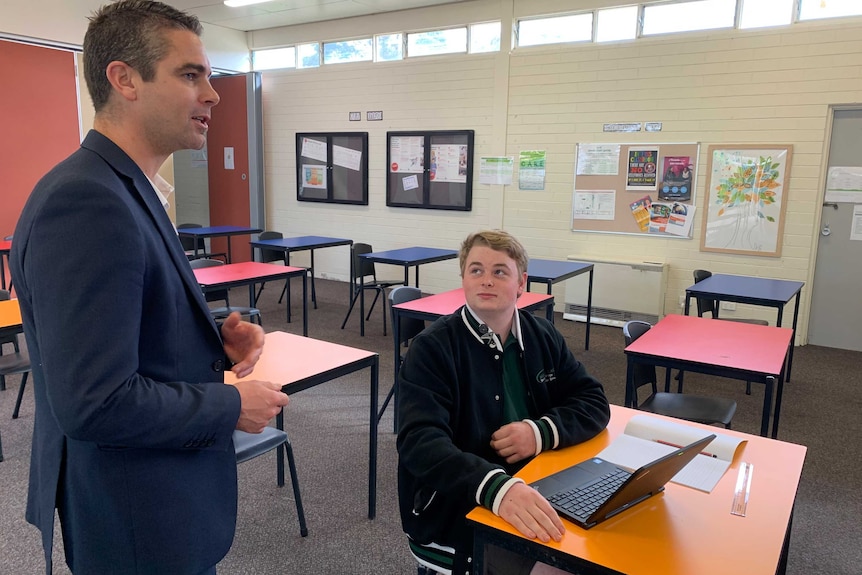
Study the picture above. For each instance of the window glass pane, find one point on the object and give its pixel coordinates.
(308, 55)
(575, 28)
(617, 24)
(686, 16)
(389, 47)
(437, 42)
(485, 37)
(760, 13)
(347, 51)
(272, 59)
(813, 9)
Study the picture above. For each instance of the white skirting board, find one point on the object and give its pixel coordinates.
(623, 290)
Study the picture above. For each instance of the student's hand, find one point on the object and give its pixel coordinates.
(243, 343)
(514, 441)
(527, 511)
(260, 401)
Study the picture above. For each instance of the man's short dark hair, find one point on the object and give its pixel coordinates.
(129, 31)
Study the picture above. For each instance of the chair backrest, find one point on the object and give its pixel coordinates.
(211, 296)
(704, 304)
(187, 242)
(644, 374)
(4, 295)
(267, 256)
(361, 266)
(409, 327)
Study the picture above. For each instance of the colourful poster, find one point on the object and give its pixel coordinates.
(676, 180)
(641, 212)
(641, 172)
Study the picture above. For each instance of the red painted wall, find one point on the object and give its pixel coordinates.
(39, 123)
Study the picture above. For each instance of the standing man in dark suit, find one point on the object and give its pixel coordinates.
(132, 439)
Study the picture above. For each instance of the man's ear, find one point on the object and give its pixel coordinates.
(522, 284)
(123, 79)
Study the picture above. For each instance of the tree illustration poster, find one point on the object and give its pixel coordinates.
(746, 199)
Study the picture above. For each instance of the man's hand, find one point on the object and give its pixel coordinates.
(514, 441)
(243, 343)
(260, 401)
(527, 511)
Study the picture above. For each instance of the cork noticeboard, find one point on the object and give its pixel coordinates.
(645, 189)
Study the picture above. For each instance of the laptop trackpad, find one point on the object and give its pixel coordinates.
(576, 476)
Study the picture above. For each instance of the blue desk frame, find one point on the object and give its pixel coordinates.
(217, 232)
(751, 290)
(550, 272)
(405, 257)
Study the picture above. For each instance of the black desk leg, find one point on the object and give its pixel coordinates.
(304, 306)
(372, 442)
(311, 270)
(767, 406)
(361, 305)
(589, 311)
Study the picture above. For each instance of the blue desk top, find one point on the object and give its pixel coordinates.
(555, 270)
(746, 289)
(301, 242)
(411, 256)
(218, 231)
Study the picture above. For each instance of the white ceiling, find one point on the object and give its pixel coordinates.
(277, 12)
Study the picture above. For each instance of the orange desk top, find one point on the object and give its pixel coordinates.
(242, 271)
(683, 531)
(10, 313)
(729, 344)
(289, 358)
(449, 302)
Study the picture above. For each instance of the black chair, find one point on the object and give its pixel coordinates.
(363, 268)
(250, 445)
(710, 306)
(269, 256)
(408, 328)
(189, 244)
(697, 408)
(222, 295)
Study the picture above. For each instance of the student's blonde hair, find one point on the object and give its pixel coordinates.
(499, 241)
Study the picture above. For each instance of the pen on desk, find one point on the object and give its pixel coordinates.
(708, 454)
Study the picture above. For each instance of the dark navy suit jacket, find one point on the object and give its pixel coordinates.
(132, 439)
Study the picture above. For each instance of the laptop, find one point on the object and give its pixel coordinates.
(595, 490)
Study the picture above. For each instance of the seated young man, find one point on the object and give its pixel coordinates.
(480, 393)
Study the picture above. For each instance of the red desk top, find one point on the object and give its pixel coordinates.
(10, 313)
(683, 531)
(288, 358)
(242, 271)
(5, 245)
(450, 301)
(728, 344)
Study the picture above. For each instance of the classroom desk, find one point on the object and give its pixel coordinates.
(218, 232)
(5, 248)
(298, 244)
(751, 290)
(682, 531)
(300, 363)
(437, 305)
(724, 348)
(250, 273)
(405, 257)
(10, 321)
(552, 271)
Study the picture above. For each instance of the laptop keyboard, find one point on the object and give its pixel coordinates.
(581, 502)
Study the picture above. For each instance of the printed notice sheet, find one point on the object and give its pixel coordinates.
(598, 160)
(496, 170)
(346, 158)
(856, 224)
(313, 176)
(844, 184)
(641, 171)
(407, 154)
(531, 170)
(594, 204)
(647, 438)
(313, 149)
(448, 163)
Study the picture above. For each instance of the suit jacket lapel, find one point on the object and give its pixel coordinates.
(143, 189)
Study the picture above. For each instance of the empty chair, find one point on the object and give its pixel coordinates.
(709, 305)
(363, 268)
(697, 408)
(250, 445)
(269, 256)
(189, 244)
(222, 295)
(408, 328)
